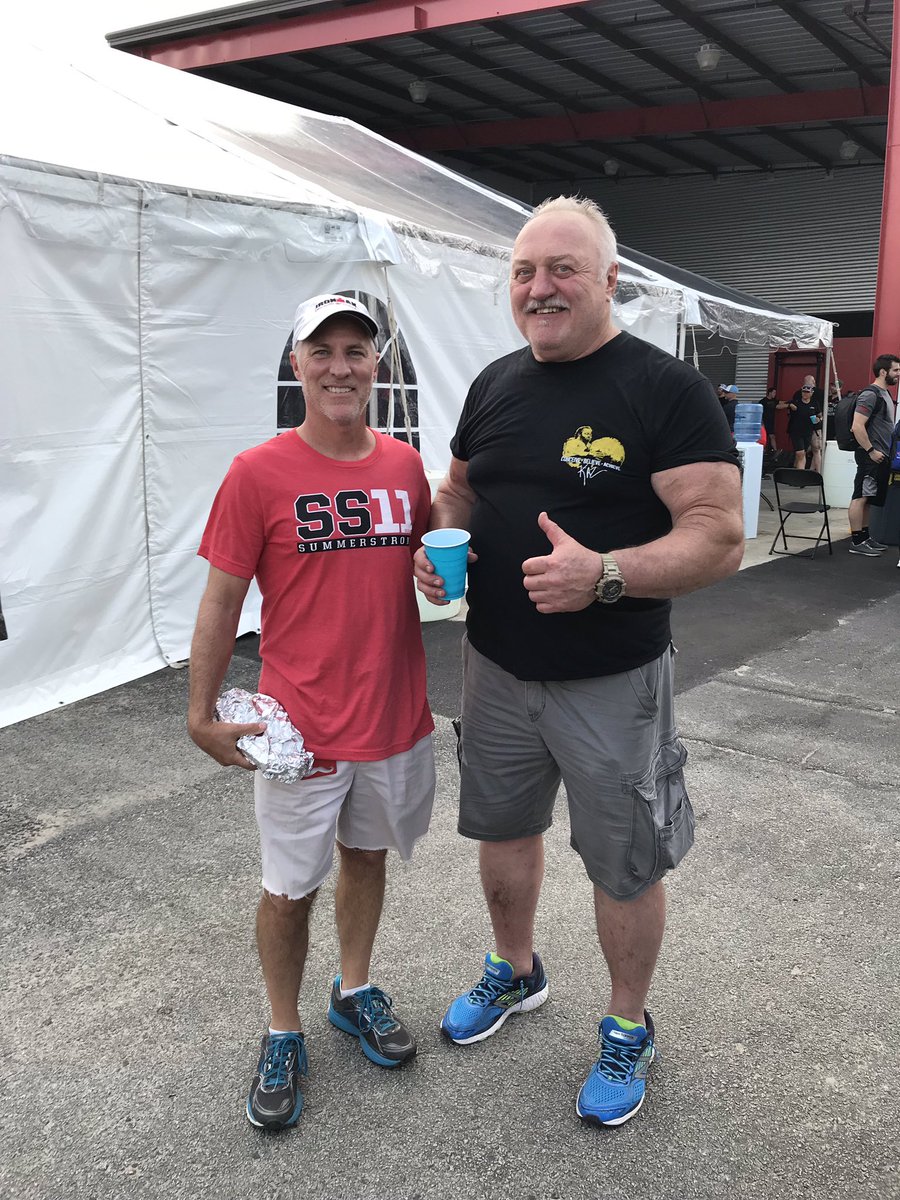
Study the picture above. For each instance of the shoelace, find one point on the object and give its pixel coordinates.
(487, 991)
(617, 1061)
(283, 1053)
(375, 1012)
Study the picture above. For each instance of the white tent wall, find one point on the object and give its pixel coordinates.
(219, 284)
(73, 578)
(143, 323)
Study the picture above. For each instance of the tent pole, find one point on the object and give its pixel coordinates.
(823, 432)
(682, 335)
(396, 360)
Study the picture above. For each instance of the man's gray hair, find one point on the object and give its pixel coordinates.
(594, 213)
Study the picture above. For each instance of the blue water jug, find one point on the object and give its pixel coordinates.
(747, 421)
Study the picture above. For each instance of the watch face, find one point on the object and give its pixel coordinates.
(610, 590)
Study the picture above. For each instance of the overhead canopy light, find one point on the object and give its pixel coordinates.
(848, 149)
(418, 91)
(708, 57)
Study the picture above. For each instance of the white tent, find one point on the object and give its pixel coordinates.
(156, 232)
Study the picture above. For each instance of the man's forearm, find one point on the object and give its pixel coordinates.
(452, 506)
(211, 650)
(688, 558)
(450, 512)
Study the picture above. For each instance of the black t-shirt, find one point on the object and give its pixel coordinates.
(579, 440)
(808, 412)
(768, 413)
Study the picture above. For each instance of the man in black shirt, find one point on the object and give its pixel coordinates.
(805, 424)
(598, 478)
(770, 403)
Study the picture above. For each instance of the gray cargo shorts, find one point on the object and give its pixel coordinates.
(611, 740)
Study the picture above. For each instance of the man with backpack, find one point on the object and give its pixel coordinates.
(872, 429)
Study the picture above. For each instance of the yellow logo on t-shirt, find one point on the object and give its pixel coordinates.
(587, 455)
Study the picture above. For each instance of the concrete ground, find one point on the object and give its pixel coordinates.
(132, 1001)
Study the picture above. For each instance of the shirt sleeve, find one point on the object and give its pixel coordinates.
(459, 442)
(234, 536)
(692, 428)
(866, 402)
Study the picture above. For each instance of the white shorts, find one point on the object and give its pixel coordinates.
(384, 805)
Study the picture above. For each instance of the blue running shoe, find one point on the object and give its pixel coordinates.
(475, 1015)
(614, 1090)
(368, 1015)
(275, 1099)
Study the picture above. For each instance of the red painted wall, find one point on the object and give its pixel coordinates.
(853, 359)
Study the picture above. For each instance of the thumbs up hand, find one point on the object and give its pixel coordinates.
(563, 580)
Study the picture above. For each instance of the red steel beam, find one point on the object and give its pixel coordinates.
(339, 27)
(643, 122)
(886, 327)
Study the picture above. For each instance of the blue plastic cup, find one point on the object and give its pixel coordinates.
(448, 551)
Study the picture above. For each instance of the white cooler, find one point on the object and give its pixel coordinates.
(838, 472)
(752, 454)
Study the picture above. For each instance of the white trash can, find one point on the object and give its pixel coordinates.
(838, 472)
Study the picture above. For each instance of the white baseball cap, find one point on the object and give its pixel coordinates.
(311, 313)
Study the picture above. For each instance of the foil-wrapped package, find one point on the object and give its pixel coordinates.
(279, 752)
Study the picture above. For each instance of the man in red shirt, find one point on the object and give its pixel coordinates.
(326, 518)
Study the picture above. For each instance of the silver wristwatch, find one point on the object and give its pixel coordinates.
(610, 586)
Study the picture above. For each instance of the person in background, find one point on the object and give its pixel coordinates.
(728, 395)
(803, 425)
(568, 660)
(769, 403)
(326, 518)
(872, 426)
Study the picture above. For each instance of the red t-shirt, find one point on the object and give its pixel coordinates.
(331, 546)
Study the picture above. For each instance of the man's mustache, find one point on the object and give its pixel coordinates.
(534, 305)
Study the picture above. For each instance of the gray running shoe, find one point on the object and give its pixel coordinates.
(275, 1099)
(368, 1015)
(864, 548)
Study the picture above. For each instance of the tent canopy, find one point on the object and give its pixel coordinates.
(128, 118)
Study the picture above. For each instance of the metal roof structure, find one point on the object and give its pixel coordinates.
(552, 95)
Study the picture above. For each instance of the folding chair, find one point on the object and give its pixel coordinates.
(786, 479)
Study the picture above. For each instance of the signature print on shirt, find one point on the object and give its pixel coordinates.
(587, 455)
(352, 519)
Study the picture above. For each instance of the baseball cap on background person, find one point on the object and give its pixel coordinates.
(732, 389)
(313, 312)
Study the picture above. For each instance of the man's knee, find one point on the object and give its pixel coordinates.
(362, 858)
(284, 906)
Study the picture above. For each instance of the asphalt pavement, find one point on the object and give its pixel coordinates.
(132, 1002)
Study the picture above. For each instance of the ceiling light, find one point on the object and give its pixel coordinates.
(610, 167)
(418, 91)
(849, 149)
(708, 57)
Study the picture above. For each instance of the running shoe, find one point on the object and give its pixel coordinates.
(477, 1014)
(864, 548)
(368, 1015)
(275, 1099)
(876, 545)
(614, 1090)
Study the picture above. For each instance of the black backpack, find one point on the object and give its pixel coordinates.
(843, 418)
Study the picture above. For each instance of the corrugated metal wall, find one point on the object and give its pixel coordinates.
(794, 238)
